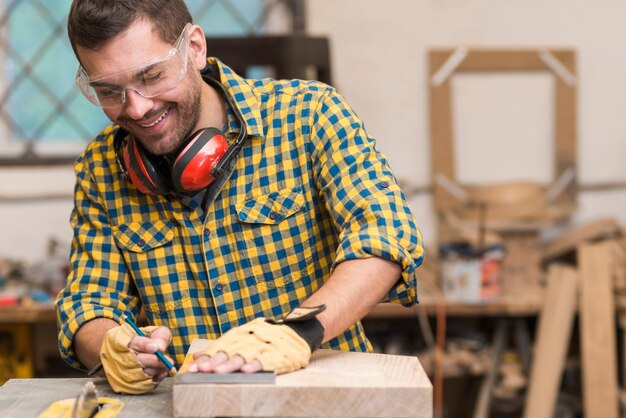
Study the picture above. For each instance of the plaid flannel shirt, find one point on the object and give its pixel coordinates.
(309, 190)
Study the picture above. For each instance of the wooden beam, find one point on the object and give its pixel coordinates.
(568, 242)
(597, 331)
(441, 132)
(552, 341)
(565, 129)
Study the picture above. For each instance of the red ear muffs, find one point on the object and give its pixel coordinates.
(191, 171)
(203, 156)
(145, 170)
(193, 168)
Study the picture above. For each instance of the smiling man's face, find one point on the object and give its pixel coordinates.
(160, 123)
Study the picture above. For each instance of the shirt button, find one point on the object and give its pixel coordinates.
(207, 232)
(383, 184)
(219, 287)
(141, 242)
(273, 215)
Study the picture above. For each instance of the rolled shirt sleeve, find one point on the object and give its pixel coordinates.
(369, 210)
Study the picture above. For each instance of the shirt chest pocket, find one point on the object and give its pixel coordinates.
(155, 265)
(275, 228)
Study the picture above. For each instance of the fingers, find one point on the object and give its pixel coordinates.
(220, 363)
(151, 361)
(206, 364)
(158, 341)
(252, 367)
(145, 347)
(162, 337)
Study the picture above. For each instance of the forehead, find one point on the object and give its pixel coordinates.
(130, 49)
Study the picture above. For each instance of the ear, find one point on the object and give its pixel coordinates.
(197, 47)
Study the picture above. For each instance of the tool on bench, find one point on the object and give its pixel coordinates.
(184, 377)
(86, 405)
(226, 378)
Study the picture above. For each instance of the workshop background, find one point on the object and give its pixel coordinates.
(504, 123)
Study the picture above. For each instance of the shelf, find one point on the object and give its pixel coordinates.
(506, 305)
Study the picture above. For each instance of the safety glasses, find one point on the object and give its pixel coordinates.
(150, 79)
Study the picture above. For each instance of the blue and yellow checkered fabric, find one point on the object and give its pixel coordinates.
(309, 191)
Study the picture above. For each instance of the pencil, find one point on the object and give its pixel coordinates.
(170, 366)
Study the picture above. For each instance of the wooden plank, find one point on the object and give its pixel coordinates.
(506, 59)
(597, 333)
(619, 264)
(565, 130)
(441, 134)
(552, 341)
(567, 242)
(503, 60)
(335, 384)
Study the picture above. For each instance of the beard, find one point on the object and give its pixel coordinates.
(187, 114)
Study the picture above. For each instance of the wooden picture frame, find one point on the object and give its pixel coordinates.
(444, 63)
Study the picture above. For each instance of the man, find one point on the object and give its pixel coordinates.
(301, 212)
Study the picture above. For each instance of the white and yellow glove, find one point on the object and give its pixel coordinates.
(123, 371)
(281, 346)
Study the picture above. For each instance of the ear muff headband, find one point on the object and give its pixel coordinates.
(203, 157)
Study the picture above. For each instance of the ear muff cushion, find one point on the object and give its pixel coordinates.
(193, 169)
(144, 169)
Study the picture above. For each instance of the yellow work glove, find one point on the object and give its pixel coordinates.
(123, 371)
(281, 346)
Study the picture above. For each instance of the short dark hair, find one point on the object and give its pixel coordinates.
(91, 23)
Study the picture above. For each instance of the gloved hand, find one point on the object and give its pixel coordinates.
(125, 373)
(281, 346)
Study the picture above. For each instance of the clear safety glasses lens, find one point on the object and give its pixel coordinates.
(151, 79)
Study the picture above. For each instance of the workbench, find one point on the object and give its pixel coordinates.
(28, 397)
(22, 328)
(21, 398)
(334, 384)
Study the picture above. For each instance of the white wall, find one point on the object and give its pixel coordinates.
(26, 223)
(379, 60)
(379, 57)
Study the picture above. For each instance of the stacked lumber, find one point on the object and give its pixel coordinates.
(586, 269)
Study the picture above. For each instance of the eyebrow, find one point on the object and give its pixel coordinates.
(101, 84)
(135, 76)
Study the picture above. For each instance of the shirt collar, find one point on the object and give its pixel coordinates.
(243, 95)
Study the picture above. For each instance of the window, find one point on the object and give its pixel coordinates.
(43, 117)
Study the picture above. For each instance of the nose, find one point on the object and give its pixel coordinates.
(135, 105)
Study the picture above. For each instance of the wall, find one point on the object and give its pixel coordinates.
(35, 205)
(379, 58)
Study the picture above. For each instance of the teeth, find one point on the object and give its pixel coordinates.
(156, 121)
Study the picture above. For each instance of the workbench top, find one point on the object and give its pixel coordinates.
(26, 398)
(335, 384)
